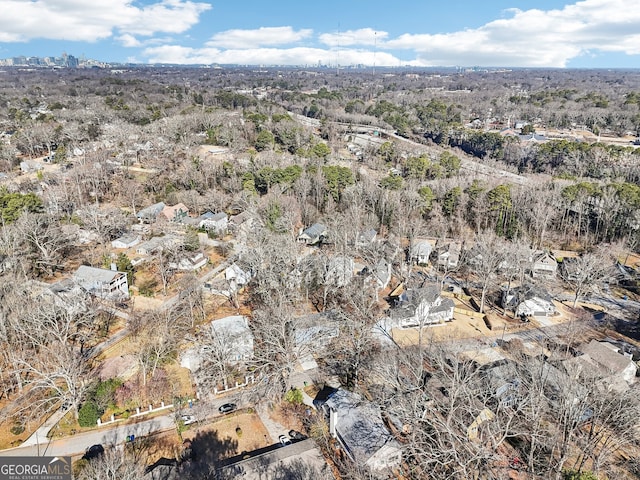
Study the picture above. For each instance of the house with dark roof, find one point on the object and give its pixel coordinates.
(361, 432)
(313, 235)
(421, 306)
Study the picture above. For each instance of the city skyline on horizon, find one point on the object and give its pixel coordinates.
(507, 33)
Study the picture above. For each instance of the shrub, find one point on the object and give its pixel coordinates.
(578, 475)
(294, 396)
(238, 431)
(89, 414)
(17, 429)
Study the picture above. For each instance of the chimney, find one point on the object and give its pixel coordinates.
(333, 421)
(113, 267)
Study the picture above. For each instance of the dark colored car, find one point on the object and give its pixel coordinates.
(297, 436)
(93, 451)
(227, 407)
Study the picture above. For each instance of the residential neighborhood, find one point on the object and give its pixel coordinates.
(212, 281)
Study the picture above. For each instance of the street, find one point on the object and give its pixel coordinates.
(77, 444)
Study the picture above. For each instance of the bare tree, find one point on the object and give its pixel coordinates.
(43, 239)
(484, 260)
(587, 272)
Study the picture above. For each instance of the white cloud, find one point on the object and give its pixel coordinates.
(128, 40)
(81, 20)
(363, 36)
(260, 37)
(534, 38)
(268, 56)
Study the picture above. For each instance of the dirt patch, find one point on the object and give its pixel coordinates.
(222, 439)
(123, 366)
(288, 416)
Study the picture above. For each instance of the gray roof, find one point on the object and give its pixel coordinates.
(410, 299)
(359, 425)
(91, 278)
(264, 463)
(219, 216)
(152, 210)
(606, 356)
(421, 247)
(315, 230)
(127, 238)
(93, 274)
(367, 236)
(525, 292)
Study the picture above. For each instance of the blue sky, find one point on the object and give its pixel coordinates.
(500, 33)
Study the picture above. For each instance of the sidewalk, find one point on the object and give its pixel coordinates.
(40, 435)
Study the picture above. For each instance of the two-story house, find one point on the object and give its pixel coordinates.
(102, 282)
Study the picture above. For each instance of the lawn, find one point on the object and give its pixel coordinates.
(231, 435)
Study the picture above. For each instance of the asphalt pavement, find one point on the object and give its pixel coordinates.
(106, 436)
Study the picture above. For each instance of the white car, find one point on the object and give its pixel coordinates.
(188, 419)
(284, 440)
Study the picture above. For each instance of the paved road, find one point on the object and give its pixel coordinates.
(76, 444)
(115, 434)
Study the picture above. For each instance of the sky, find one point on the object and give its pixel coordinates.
(420, 33)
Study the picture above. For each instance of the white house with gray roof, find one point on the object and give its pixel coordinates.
(214, 222)
(102, 282)
(127, 240)
(420, 251)
(151, 213)
(313, 234)
(421, 306)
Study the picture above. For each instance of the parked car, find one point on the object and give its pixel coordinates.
(284, 440)
(188, 419)
(296, 435)
(93, 451)
(227, 407)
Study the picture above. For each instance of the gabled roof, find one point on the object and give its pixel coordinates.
(607, 356)
(86, 275)
(171, 211)
(219, 216)
(367, 236)
(315, 230)
(151, 211)
(127, 238)
(421, 248)
(359, 425)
